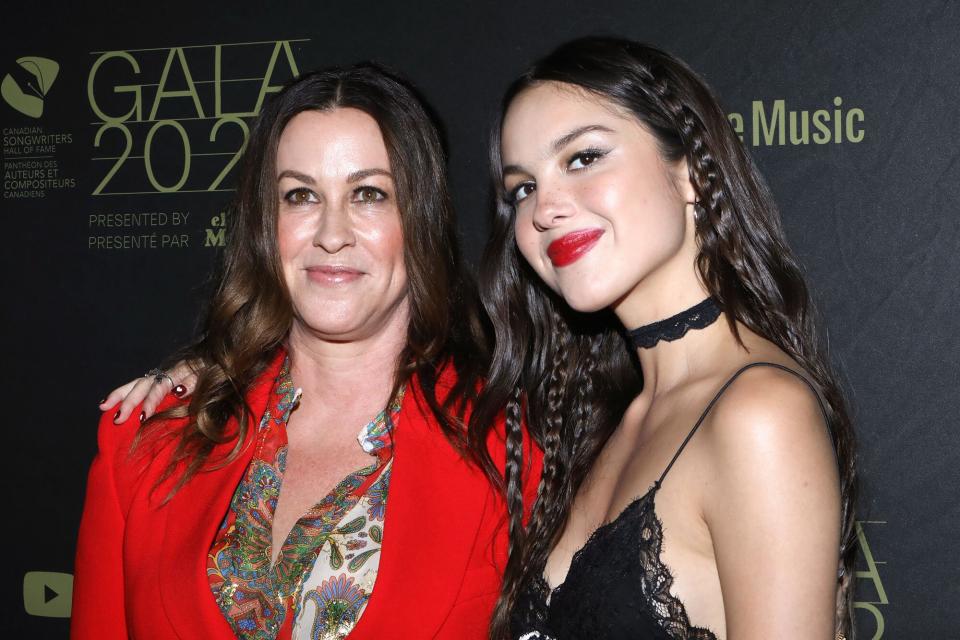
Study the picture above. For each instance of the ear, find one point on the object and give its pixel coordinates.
(683, 182)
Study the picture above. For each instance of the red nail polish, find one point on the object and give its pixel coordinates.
(179, 390)
(116, 416)
(143, 416)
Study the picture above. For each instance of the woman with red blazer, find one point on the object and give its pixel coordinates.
(341, 307)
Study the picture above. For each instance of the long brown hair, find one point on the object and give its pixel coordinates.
(251, 312)
(571, 373)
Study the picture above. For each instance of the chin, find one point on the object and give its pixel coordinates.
(586, 301)
(331, 320)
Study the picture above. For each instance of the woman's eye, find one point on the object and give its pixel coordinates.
(369, 195)
(521, 192)
(584, 158)
(300, 195)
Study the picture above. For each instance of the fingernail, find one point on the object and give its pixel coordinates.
(143, 416)
(102, 401)
(179, 390)
(116, 416)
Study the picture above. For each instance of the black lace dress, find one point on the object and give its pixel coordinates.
(617, 586)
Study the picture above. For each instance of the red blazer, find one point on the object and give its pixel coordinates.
(141, 565)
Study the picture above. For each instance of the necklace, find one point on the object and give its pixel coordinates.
(696, 317)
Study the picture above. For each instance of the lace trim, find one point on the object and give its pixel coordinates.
(666, 610)
(613, 524)
(675, 327)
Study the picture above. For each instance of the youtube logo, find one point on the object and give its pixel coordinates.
(47, 594)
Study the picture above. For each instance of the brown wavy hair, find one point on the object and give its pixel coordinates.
(570, 375)
(251, 313)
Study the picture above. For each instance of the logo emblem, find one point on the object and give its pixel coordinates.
(47, 594)
(26, 92)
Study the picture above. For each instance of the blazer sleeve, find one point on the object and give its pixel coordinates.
(98, 592)
(471, 613)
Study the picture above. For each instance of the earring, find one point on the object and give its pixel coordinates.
(699, 213)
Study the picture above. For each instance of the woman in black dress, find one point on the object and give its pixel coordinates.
(699, 478)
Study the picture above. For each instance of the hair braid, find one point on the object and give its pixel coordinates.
(513, 481)
(705, 174)
(513, 469)
(524, 560)
(733, 250)
(551, 488)
(584, 448)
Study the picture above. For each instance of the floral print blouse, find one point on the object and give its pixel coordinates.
(325, 570)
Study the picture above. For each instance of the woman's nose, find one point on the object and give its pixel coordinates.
(335, 230)
(553, 206)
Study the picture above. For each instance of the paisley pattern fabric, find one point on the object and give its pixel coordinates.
(326, 568)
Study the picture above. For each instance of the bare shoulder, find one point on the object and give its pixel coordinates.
(768, 410)
(771, 501)
(766, 439)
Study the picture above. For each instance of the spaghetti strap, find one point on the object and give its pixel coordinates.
(726, 385)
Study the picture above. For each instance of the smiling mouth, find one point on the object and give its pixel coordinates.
(333, 274)
(573, 246)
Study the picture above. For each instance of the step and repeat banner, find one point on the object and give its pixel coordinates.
(122, 128)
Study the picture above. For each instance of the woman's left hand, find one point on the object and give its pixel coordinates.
(149, 390)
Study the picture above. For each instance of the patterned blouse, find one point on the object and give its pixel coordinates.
(327, 566)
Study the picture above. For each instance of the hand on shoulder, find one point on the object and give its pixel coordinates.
(142, 397)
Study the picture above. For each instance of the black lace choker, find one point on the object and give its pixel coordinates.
(697, 317)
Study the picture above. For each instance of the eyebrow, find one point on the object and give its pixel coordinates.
(356, 176)
(363, 174)
(557, 145)
(566, 139)
(296, 175)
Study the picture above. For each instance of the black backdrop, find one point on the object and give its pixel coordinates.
(104, 271)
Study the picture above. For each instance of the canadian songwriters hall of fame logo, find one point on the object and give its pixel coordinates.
(31, 151)
(28, 83)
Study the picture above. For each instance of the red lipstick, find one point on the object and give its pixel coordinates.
(571, 247)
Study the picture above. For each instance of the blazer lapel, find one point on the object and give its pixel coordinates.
(194, 514)
(435, 506)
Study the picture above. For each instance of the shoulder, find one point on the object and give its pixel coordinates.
(767, 439)
(113, 437)
(767, 407)
(129, 450)
(771, 503)
(119, 436)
